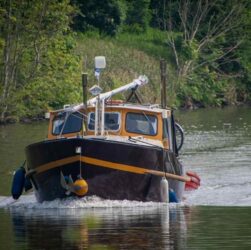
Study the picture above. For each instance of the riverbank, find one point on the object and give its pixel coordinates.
(31, 120)
(128, 55)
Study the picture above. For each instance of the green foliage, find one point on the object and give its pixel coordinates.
(58, 83)
(204, 89)
(138, 16)
(152, 42)
(106, 16)
(164, 13)
(208, 64)
(110, 16)
(40, 63)
(207, 40)
(123, 64)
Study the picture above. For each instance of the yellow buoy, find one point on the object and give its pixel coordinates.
(80, 187)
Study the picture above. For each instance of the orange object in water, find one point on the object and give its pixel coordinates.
(194, 183)
(80, 187)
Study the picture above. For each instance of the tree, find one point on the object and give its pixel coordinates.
(201, 37)
(138, 15)
(106, 16)
(31, 32)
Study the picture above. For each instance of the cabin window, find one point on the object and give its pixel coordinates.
(66, 123)
(112, 121)
(141, 123)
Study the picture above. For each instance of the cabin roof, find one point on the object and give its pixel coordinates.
(137, 107)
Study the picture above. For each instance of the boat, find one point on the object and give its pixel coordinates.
(110, 148)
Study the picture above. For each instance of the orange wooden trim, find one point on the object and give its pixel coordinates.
(112, 165)
(89, 160)
(168, 175)
(109, 164)
(57, 163)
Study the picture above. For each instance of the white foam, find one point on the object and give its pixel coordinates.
(29, 202)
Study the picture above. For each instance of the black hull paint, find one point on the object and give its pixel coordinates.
(104, 182)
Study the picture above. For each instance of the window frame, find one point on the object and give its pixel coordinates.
(71, 132)
(140, 113)
(109, 112)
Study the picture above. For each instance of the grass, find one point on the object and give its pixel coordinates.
(128, 56)
(153, 42)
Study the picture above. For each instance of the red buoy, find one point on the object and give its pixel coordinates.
(194, 182)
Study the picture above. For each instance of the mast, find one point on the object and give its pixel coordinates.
(84, 85)
(163, 83)
(142, 80)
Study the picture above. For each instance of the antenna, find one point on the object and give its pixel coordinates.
(100, 64)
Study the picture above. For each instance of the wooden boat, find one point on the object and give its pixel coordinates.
(129, 152)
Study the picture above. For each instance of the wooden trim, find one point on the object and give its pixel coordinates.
(58, 163)
(89, 160)
(112, 165)
(108, 164)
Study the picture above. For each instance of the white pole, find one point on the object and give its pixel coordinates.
(96, 119)
(103, 117)
(142, 80)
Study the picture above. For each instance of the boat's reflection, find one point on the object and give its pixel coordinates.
(160, 227)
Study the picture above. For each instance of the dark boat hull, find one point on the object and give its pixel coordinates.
(46, 160)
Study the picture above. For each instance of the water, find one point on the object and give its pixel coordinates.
(217, 216)
(218, 147)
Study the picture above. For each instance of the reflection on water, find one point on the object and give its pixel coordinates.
(219, 228)
(159, 227)
(97, 228)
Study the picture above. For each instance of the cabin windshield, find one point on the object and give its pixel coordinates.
(112, 121)
(141, 123)
(65, 123)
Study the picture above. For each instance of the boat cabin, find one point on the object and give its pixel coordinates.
(111, 119)
(149, 123)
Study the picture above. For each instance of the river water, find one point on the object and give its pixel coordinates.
(217, 216)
